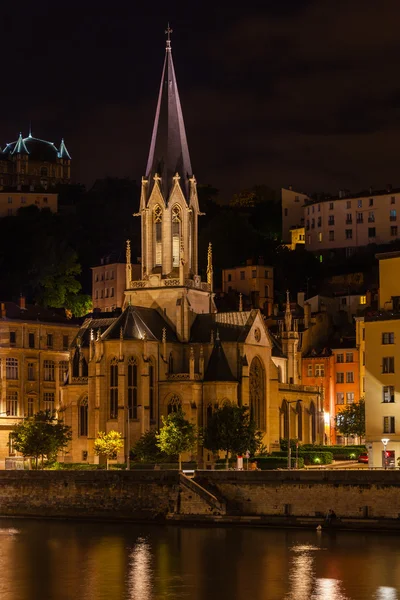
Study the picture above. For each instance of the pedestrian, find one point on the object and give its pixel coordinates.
(330, 516)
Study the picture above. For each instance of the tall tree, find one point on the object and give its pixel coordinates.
(177, 435)
(231, 429)
(351, 420)
(108, 444)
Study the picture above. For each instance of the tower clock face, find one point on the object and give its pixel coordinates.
(257, 334)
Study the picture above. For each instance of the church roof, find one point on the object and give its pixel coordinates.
(228, 330)
(137, 321)
(37, 149)
(218, 368)
(169, 152)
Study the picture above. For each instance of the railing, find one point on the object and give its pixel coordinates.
(190, 283)
(183, 376)
(79, 379)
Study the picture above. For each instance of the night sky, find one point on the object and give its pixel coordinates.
(286, 92)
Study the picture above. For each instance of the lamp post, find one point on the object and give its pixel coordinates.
(289, 465)
(385, 442)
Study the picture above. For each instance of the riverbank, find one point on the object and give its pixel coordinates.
(363, 500)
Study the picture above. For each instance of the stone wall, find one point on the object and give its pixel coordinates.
(351, 494)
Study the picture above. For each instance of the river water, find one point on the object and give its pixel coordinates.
(49, 560)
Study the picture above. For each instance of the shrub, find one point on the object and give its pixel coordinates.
(264, 463)
(338, 452)
(311, 457)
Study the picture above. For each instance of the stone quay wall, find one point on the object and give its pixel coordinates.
(351, 494)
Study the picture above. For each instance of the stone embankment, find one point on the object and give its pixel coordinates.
(361, 499)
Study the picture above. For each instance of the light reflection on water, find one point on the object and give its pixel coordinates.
(98, 561)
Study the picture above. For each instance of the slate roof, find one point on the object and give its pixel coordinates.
(32, 312)
(228, 332)
(218, 368)
(37, 149)
(136, 321)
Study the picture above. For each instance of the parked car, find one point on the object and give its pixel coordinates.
(363, 458)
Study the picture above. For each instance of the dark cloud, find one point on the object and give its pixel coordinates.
(301, 92)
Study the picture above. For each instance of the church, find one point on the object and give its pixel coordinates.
(170, 348)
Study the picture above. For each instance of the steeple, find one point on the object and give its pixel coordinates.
(63, 152)
(169, 153)
(288, 313)
(20, 147)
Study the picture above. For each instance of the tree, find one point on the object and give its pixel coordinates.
(177, 435)
(232, 429)
(42, 435)
(146, 448)
(108, 444)
(351, 420)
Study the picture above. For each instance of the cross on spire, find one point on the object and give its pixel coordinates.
(168, 31)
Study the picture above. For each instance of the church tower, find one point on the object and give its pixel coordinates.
(169, 212)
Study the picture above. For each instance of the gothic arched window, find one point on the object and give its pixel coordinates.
(157, 245)
(313, 417)
(83, 418)
(257, 393)
(132, 388)
(152, 386)
(114, 389)
(174, 404)
(284, 420)
(299, 421)
(176, 235)
(191, 238)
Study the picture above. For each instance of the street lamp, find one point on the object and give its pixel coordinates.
(385, 442)
(289, 402)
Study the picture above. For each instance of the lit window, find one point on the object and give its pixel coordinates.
(349, 357)
(309, 370)
(350, 397)
(48, 401)
(389, 425)
(340, 398)
(320, 237)
(349, 377)
(340, 358)
(388, 338)
(339, 377)
(49, 370)
(388, 393)
(388, 364)
(11, 368)
(12, 404)
(363, 299)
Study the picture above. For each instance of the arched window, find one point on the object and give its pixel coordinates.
(157, 245)
(174, 404)
(83, 418)
(284, 420)
(191, 237)
(299, 421)
(170, 363)
(114, 389)
(151, 391)
(313, 417)
(176, 235)
(132, 388)
(209, 413)
(257, 393)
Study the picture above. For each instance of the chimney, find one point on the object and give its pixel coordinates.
(300, 298)
(21, 301)
(3, 310)
(307, 315)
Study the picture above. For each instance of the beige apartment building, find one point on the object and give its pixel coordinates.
(34, 363)
(345, 221)
(292, 211)
(382, 367)
(254, 281)
(11, 201)
(108, 284)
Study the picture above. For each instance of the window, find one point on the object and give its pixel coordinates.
(112, 292)
(393, 230)
(45, 201)
(242, 275)
(312, 223)
(151, 391)
(11, 368)
(97, 294)
(360, 217)
(296, 199)
(331, 220)
(308, 210)
(339, 377)
(157, 220)
(65, 342)
(331, 236)
(349, 357)
(389, 425)
(229, 277)
(266, 291)
(96, 278)
(371, 202)
(266, 275)
(309, 370)
(363, 299)
(392, 200)
(340, 398)
(132, 388)
(62, 371)
(388, 393)
(49, 370)
(309, 239)
(349, 218)
(393, 215)
(363, 335)
(114, 389)
(30, 406)
(350, 397)
(31, 371)
(320, 370)
(349, 377)
(348, 204)
(312, 208)
(286, 212)
(48, 401)
(102, 294)
(343, 301)
(339, 358)
(371, 217)
(308, 224)
(254, 273)
(112, 275)
(320, 237)
(371, 232)
(176, 235)
(388, 364)
(13, 338)
(106, 293)
(31, 340)
(49, 340)
(83, 418)
(319, 222)
(359, 203)
(12, 404)
(106, 275)
(174, 404)
(363, 358)
(330, 205)
(349, 234)
(9, 200)
(388, 338)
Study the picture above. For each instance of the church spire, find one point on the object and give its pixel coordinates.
(169, 152)
(288, 313)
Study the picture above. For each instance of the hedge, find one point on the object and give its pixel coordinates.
(310, 458)
(338, 452)
(277, 462)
